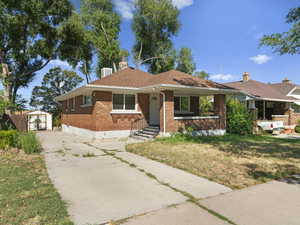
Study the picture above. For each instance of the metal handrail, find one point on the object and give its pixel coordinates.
(137, 125)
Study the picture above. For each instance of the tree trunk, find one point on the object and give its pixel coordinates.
(6, 84)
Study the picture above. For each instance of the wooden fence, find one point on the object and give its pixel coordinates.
(18, 122)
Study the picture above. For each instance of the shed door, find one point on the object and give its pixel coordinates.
(37, 122)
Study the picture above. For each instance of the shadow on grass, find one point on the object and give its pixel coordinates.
(281, 172)
(259, 146)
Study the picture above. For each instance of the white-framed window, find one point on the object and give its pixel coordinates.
(87, 100)
(182, 104)
(124, 102)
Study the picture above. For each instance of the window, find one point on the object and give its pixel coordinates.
(72, 104)
(124, 102)
(182, 104)
(87, 100)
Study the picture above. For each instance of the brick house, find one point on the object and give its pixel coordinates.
(272, 102)
(131, 100)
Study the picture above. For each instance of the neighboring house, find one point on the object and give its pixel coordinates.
(271, 104)
(130, 100)
(287, 88)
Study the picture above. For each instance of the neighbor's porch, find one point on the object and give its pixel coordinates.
(273, 114)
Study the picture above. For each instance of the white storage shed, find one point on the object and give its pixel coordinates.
(39, 120)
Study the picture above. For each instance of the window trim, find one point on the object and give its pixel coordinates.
(118, 111)
(189, 105)
(73, 104)
(84, 104)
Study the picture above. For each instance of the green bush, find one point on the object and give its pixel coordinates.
(239, 119)
(297, 128)
(8, 138)
(29, 143)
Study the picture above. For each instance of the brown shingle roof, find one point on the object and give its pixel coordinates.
(125, 78)
(258, 89)
(284, 88)
(136, 78)
(174, 77)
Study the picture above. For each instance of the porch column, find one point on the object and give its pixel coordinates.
(264, 109)
(291, 118)
(167, 121)
(220, 109)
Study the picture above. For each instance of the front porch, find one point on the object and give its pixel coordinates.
(176, 111)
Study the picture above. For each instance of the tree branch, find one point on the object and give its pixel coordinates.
(39, 68)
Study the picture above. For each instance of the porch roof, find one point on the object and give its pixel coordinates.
(134, 80)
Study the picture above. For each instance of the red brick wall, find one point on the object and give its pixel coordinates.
(297, 117)
(200, 124)
(99, 118)
(283, 118)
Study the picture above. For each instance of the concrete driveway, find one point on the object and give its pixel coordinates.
(101, 182)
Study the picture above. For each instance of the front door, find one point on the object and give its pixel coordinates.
(154, 109)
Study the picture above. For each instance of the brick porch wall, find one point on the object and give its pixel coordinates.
(99, 118)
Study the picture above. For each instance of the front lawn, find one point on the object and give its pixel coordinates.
(26, 193)
(235, 161)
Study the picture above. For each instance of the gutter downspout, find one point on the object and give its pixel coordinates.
(164, 109)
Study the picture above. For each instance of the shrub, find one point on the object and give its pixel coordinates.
(8, 138)
(297, 128)
(29, 143)
(239, 119)
(57, 121)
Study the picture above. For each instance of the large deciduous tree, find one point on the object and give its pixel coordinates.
(55, 83)
(286, 42)
(155, 22)
(30, 37)
(102, 25)
(202, 74)
(185, 62)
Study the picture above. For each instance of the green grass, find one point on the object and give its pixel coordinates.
(26, 193)
(88, 155)
(232, 160)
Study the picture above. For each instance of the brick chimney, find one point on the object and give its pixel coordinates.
(123, 64)
(246, 77)
(286, 81)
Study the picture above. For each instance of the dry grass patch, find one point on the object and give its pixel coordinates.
(234, 161)
(26, 193)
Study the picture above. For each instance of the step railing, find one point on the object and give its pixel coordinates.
(137, 125)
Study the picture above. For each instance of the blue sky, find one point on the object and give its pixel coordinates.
(223, 36)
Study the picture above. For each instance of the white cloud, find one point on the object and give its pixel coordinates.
(223, 77)
(260, 59)
(126, 7)
(182, 3)
(60, 63)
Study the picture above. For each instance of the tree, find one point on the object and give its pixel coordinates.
(3, 104)
(185, 62)
(202, 74)
(55, 83)
(155, 22)
(31, 35)
(286, 42)
(102, 25)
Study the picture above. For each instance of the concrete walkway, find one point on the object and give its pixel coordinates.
(273, 203)
(101, 183)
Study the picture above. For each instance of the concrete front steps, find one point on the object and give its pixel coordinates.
(148, 133)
